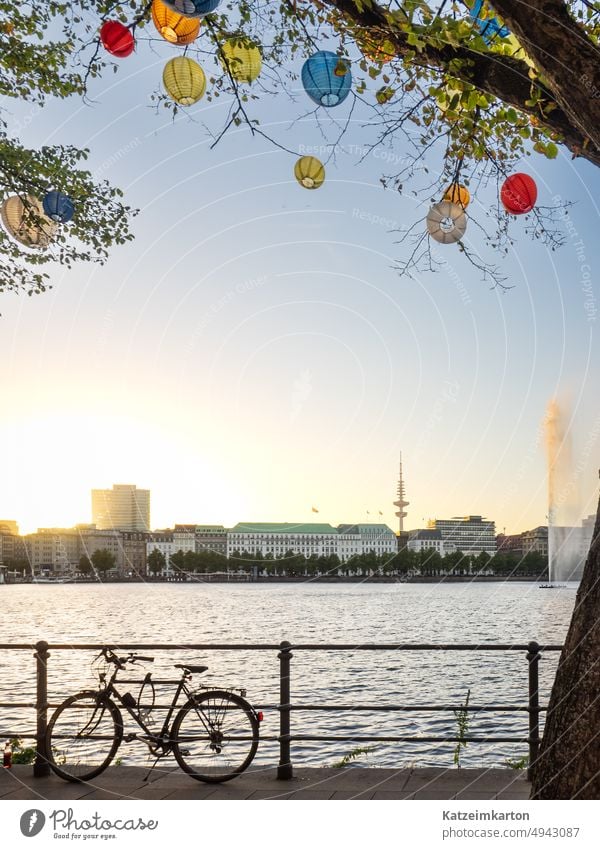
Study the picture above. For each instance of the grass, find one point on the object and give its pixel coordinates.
(353, 755)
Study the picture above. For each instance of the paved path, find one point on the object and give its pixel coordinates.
(127, 782)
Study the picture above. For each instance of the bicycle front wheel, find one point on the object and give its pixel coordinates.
(215, 736)
(83, 736)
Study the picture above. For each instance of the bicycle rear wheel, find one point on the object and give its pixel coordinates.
(83, 736)
(215, 736)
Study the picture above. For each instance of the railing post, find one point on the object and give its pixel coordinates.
(533, 659)
(41, 766)
(284, 770)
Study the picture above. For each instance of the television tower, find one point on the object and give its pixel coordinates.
(401, 503)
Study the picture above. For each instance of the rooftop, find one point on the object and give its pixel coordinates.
(283, 528)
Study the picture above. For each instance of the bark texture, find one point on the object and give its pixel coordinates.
(568, 766)
(559, 46)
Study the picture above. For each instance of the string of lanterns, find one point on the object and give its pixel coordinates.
(327, 80)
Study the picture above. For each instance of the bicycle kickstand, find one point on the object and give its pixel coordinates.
(147, 776)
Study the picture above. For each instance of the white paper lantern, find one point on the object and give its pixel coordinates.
(27, 222)
(446, 222)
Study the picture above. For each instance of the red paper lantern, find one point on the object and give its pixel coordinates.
(117, 39)
(518, 194)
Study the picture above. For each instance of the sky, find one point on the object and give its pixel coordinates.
(254, 353)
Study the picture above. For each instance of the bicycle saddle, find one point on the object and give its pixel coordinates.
(190, 668)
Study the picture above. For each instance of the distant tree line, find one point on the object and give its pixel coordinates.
(403, 563)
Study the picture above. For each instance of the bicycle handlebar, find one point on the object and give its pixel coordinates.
(111, 657)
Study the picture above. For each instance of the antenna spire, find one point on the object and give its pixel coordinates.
(401, 503)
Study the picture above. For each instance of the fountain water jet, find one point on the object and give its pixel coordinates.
(563, 539)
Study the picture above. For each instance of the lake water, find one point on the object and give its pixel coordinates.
(314, 613)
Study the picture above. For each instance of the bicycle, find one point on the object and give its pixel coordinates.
(214, 735)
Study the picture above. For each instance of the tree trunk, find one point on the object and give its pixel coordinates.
(561, 46)
(565, 55)
(568, 766)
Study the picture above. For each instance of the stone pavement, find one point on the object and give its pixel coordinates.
(127, 782)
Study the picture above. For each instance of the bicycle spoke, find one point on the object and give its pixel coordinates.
(216, 736)
(82, 737)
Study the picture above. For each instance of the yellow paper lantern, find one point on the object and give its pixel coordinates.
(241, 57)
(456, 193)
(184, 80)
(310, 172)
(175, 28)
(26, 221)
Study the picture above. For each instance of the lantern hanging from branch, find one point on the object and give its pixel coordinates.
(241, 57)
(193, 8)
(310, 172)
(173, 26)
(488, 26)
(117, 39)
(326, 78)
(58, 207)
(184, 80)
(458, 194)
(446, 222)
(518, 194)
(26, 221)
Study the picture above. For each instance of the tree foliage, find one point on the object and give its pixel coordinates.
(458, 105)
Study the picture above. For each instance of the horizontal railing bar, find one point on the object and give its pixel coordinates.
(332, 708)
(277, 647)
(473, 708)
(362, 739)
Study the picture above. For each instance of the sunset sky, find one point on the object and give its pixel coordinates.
(254, 352)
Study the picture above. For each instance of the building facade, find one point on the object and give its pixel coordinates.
(535, 540)
(122, 508)
(428, 539)
(52, 550)
(469, 534)
(313, 538)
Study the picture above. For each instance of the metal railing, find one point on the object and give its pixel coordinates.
(285, 652)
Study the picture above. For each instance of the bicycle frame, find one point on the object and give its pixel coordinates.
(155, 738)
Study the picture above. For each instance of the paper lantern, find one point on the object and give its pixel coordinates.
(117, 39)
(323, 81)
(193, 8)
(26, 222)
(458, 194)
(173, 26)
(241, 57)
(446, 222)
(184, 80)
(58, 207)
(518, 194)
(489, 27)
(310, 172)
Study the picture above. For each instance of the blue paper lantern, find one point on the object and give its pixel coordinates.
(58, 207)
(488, 28)
(192, 8)
(326, 78)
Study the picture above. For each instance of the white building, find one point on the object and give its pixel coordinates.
(312, 538)
(122, 508)
(428, 539)
(169, 543)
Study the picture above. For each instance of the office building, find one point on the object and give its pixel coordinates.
(469, 534)
(122, 508)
